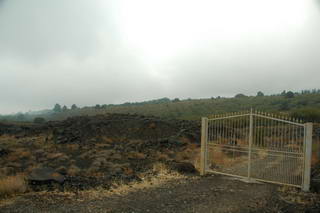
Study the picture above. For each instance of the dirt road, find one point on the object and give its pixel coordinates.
(213, 193)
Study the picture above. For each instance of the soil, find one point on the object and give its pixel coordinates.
(213, 193)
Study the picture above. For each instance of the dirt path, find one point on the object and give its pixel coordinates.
(191, 194)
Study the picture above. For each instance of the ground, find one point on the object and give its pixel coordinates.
(172, 193)
(126, 163)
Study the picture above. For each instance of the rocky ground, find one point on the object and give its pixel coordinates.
(172, 193)
(124, 163)
(85, 152)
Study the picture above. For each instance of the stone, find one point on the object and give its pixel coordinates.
(45, 174)
(183, 167)
(14, 165)
(62, 170)
(3, 152)
(6, 171)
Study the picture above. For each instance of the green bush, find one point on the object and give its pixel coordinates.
(39, 120)
(307, 114)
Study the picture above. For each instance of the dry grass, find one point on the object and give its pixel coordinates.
(161, 156)
(53, 156)
(160, 168)
(8, 140)
(293, 195)
(163, 176)
(183, 156)
(220, 158)
(12, 185)
(72, 147)
(136, 155)
(73, 170)
(107, 140)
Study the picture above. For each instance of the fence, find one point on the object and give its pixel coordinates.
(258, 146)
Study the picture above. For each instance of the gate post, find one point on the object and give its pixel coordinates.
(307, 156)
(250, 144)
(204, 141)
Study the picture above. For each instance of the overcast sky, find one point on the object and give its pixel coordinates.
(113, 51)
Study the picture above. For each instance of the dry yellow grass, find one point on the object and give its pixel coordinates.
(183, 156)
(161, 156)
(73, 170)
(136, 155)
(72, 147)
(12, 185)
(163, 175)
(161, 169)
(53, 156)
(107, 140)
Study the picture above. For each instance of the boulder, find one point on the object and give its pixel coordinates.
(3, 152)
(183, 167)
(14, 165)
(6, 171)
(45, 174)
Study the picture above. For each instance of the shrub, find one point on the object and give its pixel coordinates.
(289, 94)
(240, 95)
(307, 114)
(39, 120)
(260, 94)
(12, 185)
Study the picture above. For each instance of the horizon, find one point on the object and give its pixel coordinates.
(171, 99)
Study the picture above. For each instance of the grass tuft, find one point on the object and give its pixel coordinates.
(12, 185)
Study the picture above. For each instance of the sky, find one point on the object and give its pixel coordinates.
(113, 51)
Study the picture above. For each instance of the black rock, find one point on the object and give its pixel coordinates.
(3, 152)
(45, 175)
(183, 167)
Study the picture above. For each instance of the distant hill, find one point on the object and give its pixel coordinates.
(305, 105)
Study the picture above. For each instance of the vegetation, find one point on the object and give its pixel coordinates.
(12, 185)
(39, 120)
(57, 108)
(304, 105)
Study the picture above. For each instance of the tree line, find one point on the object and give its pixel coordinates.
(304, 105)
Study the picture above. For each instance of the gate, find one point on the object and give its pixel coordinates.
(257, 146)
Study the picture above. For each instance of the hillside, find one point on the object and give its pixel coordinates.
(300, 105)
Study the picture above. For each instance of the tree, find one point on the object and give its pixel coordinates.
(289, 94)
(240, 95)
(307, 114)
(260, 94)
(97, 106)
(39, 120)
(176, 100)
(64, 108)
(21, 117)
(57, 108)
(74, 107)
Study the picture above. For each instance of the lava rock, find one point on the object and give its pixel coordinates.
(183, 167)
(45, 175)
(3, 152)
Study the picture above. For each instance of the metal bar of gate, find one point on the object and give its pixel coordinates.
(204, 141)
(250, 144)
(307, 157)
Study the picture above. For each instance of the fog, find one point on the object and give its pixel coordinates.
(114, 51)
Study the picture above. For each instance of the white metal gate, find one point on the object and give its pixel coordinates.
(258, 146)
